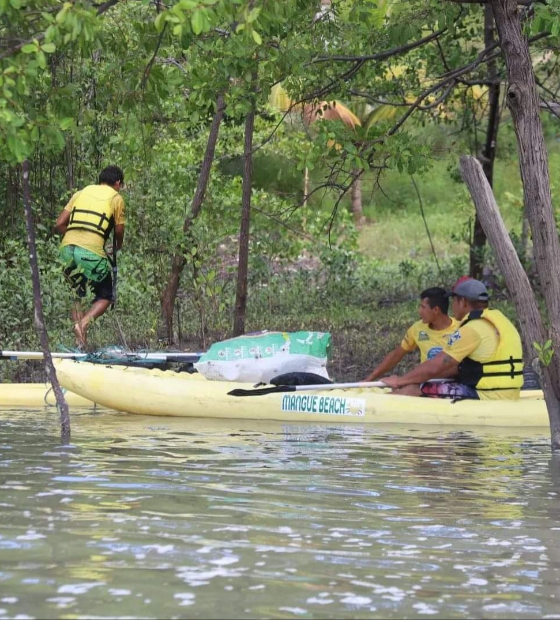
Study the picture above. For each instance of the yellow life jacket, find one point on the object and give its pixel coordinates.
(93, 210)
(504, 371)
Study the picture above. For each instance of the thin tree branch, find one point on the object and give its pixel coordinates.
(101, 8)
(421, 203)
(552, 107)
(149, 66)
(440, 99)
(481, 58)
(395, 51)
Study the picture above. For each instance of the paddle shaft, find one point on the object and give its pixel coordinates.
(155, 357)
(37, 355)
(345, 386)
(115, 270)
(339, 386)
(279, 389)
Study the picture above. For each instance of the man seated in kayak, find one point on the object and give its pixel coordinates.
(484, 355)
(429, 334)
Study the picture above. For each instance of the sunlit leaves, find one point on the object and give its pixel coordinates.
(547, 19)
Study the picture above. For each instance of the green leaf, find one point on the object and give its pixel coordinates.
(49, 48)
(61, 15)
(159, 22)
(66, 123)
(41, 60)
(197, 22)
(256, 37)
(16, 4)
(253, 14)
(29, 48)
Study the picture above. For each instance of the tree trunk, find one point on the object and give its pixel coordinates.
(68, 152)
(356, 193)
(488, 155)
(243, 265)
(38, 303)
(178, 262)
(523, 101)
(524, 300)
(517, 282)
(532, 326)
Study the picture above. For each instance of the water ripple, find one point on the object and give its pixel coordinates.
(250, 520)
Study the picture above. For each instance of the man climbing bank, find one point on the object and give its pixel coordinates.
(86, 223)
(484, 355)
(429, 335)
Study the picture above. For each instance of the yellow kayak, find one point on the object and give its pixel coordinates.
(36, 395)
(166, 393)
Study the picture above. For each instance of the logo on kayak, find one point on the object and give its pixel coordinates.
(329, 405)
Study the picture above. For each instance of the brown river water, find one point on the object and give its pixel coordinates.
(145, 517)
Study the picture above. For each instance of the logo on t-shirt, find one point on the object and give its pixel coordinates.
(454, 337)
(434, 351)
(422, 335)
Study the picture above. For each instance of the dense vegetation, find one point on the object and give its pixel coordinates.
(136, 84)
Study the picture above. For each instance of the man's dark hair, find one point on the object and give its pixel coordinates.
(111, 175)
(475, 303)
(437, 297)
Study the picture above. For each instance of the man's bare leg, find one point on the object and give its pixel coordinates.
(77, 314)
(80, 328)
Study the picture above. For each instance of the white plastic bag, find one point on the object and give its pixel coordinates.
(260, 357)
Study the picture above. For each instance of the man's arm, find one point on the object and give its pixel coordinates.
(441, 366)
(387, 363)
(119, 234)
(62, 221)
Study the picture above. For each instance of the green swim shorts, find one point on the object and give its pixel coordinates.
(94, 267)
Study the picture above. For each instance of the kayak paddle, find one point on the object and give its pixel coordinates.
(299, 388)
(154, 357)
(37, 355)
(324, 386)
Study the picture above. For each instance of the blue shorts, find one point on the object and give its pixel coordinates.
(448, 389)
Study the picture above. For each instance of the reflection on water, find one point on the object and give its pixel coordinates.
(167, 518)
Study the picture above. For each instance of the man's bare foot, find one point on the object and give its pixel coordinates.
(408, 390)
(80, 334)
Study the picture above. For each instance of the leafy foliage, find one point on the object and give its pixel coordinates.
(85, 85)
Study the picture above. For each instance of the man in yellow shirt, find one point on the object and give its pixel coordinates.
(484, 355)
(86, 223)
(429, 334)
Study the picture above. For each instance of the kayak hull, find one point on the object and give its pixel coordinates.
(165, 393)
(36, 395)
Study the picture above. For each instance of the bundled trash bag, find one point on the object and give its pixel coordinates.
(259, 357)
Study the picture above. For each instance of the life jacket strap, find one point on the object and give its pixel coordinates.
(102, 218)
(511, 373)
(92, 227)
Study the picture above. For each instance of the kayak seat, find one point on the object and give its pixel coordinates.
(530, 379)
(299, 378)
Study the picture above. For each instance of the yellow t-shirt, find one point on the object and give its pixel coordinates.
(478, 340)
(429, 341)
(87, 240)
